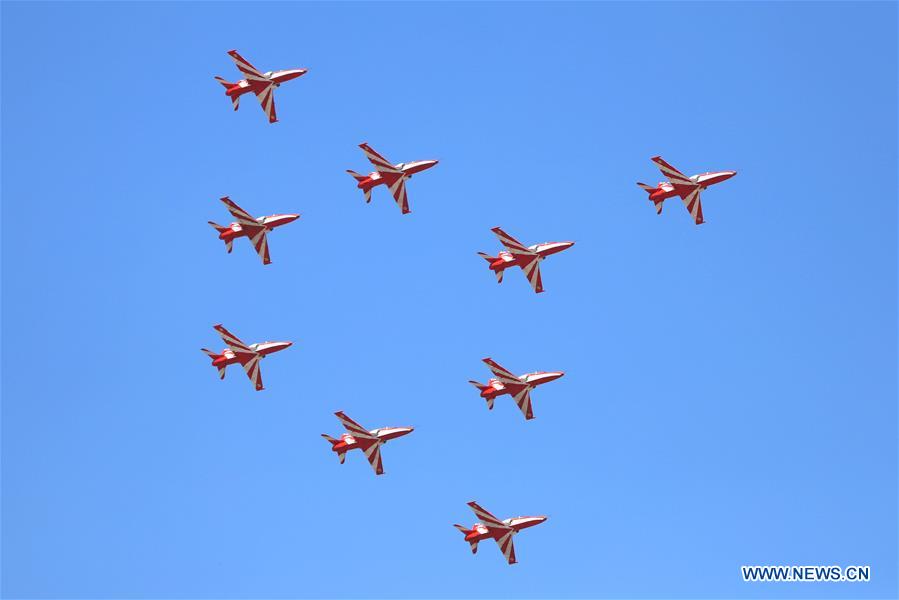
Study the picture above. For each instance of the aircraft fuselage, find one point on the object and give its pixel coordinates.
(234, 230)
(228, 357)
(666, 189)
(277, 77)
(496, 388)
(506, 259)
(409, 169)
(480, 532)
(384, 434)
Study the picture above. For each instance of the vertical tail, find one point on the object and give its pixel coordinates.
(214, 356)
(465, 532)
(222, 229)
(481, 387)
(490, 260)
(356, 175)
(235, 100)
(341, 456)
(651, 190)
(359, 178)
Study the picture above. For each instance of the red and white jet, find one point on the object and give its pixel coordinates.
(519, 387)
(490, 527)
(688, 188)
(517, 255)
(369, 442)
(254, 229)
(394, 176)
(261, 84)
(247, 356)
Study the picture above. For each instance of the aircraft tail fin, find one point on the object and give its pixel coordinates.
(217, 227)
(341, 456)
(221, 229)
(649, 189)
(465, 532)
(235, 100)
(490, 260)
(360, 177)
(481, 387)
(356, 176)
(214, 356)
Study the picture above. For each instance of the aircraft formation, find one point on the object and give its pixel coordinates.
(514, 254)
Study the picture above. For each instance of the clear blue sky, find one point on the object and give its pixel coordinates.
(730, 395)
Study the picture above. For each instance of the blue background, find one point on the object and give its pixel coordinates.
(730, 389)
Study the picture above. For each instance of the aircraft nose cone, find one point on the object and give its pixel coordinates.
(729, 174)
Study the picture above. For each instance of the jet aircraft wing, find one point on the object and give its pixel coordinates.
(256, 231)
(507, 546)
(398, 189)
(693, 202)
(248, 70)
(266, 97)
(501, 373)
(354, 428)
(672, 174)
(370, 444)
(248, 357)
(511, 244)
(528, 259)
(487, 518)
(381, 164)
(505, 540)
(373, 454)
(523, 400)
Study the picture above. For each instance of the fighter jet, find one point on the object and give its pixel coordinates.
(516, 255)
(369, 442)
(490, 527)
(247, 356)
(386, 173)
(519, 387)
(254, 229)
(688, 188)
(261, 84)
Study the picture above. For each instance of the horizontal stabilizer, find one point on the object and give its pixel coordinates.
(480, 386)
(465, 532)
(356, 176)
